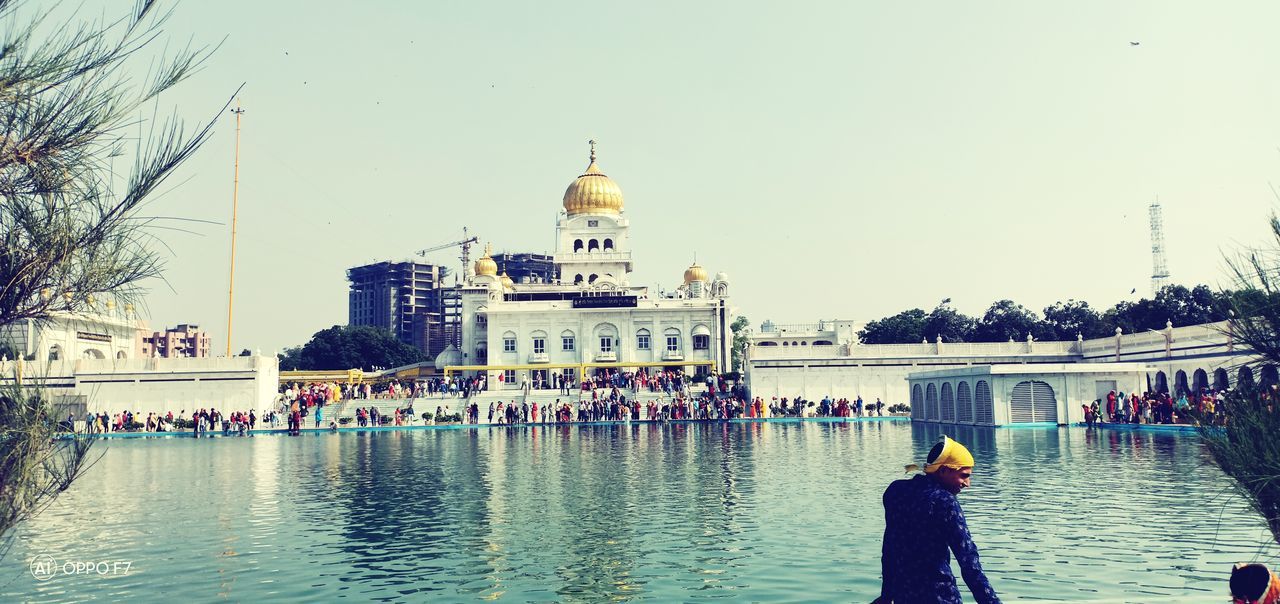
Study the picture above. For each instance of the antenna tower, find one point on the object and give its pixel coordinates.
(1159, 267)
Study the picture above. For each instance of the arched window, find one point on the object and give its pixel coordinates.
(577, 279)
(767, 343)
(1032, 402)
(822, 343)
(948, 404)
(577, 245)
(673, 339)
(592, 278)
(931, 402)
(642, 340)
(121, 355)
(964, 404)
(917, 402)
(1162, 383)
(803, 343)
(794, 343)
(509, 341)
(785, 344)
(608, 245)
(566, 341)
(593, 246)
(983, 408)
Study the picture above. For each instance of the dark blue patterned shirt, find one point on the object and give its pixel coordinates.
(923, 525)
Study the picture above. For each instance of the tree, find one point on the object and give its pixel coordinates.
(906, 327)
(737, 353)
(949, 324)
(68, 232)
(1246, 448)
(1007, 320)
(1071, 318)
(355, 347)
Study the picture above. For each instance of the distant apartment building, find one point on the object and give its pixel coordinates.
(185, 340)
(527, 268)
(403, 297)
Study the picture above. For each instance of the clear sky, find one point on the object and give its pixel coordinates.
(837, 159)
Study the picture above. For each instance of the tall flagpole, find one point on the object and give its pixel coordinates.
(235, 204)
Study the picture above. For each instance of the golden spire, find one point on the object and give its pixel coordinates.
(485, 265)
(593, 192)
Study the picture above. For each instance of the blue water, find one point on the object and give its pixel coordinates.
(685, 512)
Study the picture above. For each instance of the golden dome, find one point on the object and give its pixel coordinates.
(506, 281)
(593, 192)
(695, 273)
(485, 265)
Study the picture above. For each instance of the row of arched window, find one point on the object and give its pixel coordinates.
(960, 405)
(1199, 380)
(592, 245)
(607, 337)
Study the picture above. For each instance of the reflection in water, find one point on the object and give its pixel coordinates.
(681, 512)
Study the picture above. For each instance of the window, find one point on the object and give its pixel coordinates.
(593, 223)
(566, 343)
(608, 245)
(480, 320)
(577, 245)
(509, 376)
(570, 375)
(642, 339)
(701, 342)
(673, 343)
(593, 246)
(606, 344)
(592, 278)
(577, 279)
(539, 345)
(508, 344)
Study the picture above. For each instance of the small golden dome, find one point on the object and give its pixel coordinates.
(485, 265)
(506, 281)
(593, 192)
(695, 273)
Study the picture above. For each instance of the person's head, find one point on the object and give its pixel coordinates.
(951, 464)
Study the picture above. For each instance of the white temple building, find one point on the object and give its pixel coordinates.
(592, 318)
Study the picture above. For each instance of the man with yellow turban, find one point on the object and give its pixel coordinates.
(923, 525)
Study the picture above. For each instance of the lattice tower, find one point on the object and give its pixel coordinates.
(1159, 266)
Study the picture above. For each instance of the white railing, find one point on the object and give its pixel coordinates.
(593, 257)
(669, 355)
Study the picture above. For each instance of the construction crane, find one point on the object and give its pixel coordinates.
(465, 242)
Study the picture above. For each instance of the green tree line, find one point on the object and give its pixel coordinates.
(1006, 319)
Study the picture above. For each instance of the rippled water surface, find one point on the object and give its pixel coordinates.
(721, 512)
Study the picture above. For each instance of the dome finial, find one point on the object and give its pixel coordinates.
(592, 142)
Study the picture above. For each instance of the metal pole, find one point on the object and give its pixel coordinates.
(235, 204)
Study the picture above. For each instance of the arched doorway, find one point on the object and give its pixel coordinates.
(917, 402)
(1162, 383)
(1220, 379)
(1269, 377)
(1180, 383)
(1033, 402)
(1244, 378)
(1199, 381)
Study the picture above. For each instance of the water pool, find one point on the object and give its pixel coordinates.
(683, 512)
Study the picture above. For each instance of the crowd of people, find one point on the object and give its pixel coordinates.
(1155, 408)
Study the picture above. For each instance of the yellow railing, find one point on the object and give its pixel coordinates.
(350, 376)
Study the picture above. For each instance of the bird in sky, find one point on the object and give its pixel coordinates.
(1133, 291)
(1134, 43)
